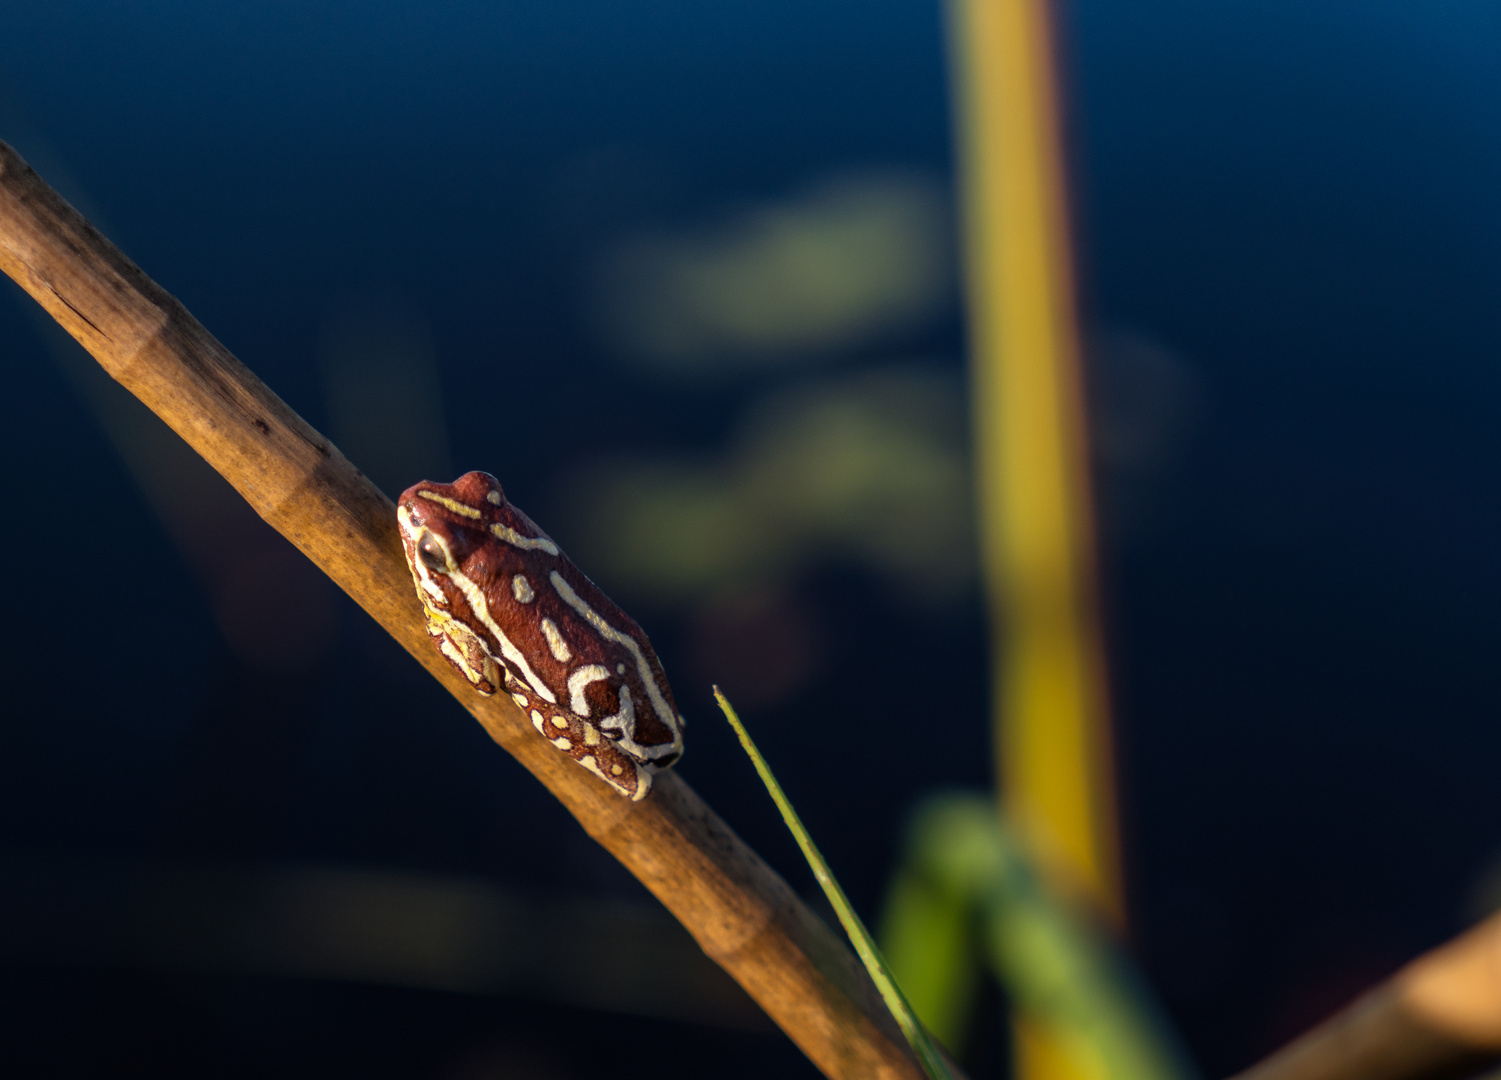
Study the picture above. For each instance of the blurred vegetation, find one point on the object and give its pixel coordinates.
(870, 468)
(965, 900)
(833, 267)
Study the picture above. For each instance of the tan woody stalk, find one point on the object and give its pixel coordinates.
(739, 910)
(1436, 1019)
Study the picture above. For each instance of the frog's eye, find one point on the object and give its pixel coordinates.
(431, 554)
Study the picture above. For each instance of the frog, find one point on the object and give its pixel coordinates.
(511, 613)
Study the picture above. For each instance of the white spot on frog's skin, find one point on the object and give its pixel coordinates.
(560, 650)
(520, 699)
(563, 744)
(521, 589)
(589, 673)
(450, 504)
(643, 778)
(620, 669)
(591, 735)
(558, 721)
(537, 722)
(476, 598)
(494, 498)
(525, 543)
(658, 702)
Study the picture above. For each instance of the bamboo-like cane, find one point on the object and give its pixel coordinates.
(738, 909)
(1436, 1019)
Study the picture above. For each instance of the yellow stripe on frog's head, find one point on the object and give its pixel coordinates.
(450, 504)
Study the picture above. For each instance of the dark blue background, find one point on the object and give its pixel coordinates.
(1299, 200)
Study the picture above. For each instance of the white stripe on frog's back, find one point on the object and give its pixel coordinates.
(508, 650)
(476, 598)
(620, 728)
(525, 543)
(605, 630)
(581, 678)
(557, 646)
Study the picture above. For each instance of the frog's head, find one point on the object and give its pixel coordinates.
(442, 526)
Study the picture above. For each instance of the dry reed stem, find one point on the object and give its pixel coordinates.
(739, 910)
(1437, 1018)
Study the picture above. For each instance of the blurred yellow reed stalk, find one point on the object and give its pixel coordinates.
(1050, 707)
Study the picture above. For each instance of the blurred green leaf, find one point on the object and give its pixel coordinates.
(963, 873)
(929, 943)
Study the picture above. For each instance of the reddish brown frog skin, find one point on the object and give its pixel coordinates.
(509, 611)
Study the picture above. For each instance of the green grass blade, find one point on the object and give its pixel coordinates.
(927, 1054)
